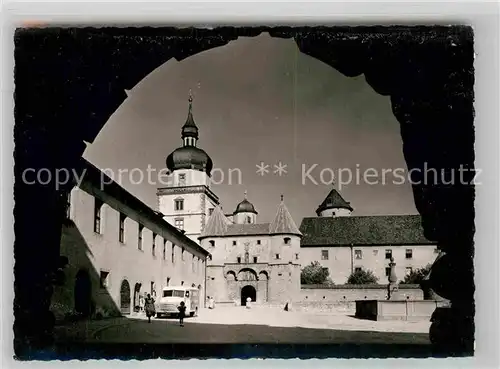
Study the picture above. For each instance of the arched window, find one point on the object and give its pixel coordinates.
(287, 240)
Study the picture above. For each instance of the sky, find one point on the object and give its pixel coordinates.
(259, 99)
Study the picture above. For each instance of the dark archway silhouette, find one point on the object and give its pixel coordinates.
(247, 274)
(246, 292)
(137, 294)
(125, 297)
(83, 293)
(427, 72)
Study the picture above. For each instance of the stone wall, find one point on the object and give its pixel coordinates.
(101, 265)
(341, 298)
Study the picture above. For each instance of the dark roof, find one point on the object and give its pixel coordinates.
(283, 222)
(363, 230)
(217, 224)
(247, 229)
(333, 200)
(245, 207)
(189, 157)
(233, 229)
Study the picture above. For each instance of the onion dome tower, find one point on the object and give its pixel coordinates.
(245, 212)
(189, 156)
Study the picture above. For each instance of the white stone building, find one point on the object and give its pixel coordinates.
(344, 243)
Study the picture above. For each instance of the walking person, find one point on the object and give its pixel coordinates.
(182, 313)
(149, 306)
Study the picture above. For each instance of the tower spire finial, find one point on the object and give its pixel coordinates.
(281, 197)
(245, 194)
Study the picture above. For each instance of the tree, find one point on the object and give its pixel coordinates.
(362, 276)
(315, 274)
(416, 276)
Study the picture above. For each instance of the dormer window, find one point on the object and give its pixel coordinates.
(287, 240)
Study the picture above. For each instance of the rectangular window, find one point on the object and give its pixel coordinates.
(358, 254)
(239, 259)
(375, 252)
(255, 259)
(258, 242)
(179, 204)
(182, 179)
(121, 233)
(103, 280)
(210, 211)
(173, 253)
(97, 215)
(164, 249)
(234, 243)
(179, 223)
(153, 245)
(409, 254)
(357, 269)
(296, 256)
(387, 272)
(324, 254)
(278, 256)
(409, 270)
(192, 264)
(388, 254)
(152, 288)
(139, 237)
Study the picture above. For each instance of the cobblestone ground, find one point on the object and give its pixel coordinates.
(241, 325)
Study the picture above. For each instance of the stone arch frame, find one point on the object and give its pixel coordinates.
(232, 274)
(431, 95)
(265, 275)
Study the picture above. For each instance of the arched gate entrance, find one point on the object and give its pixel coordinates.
(246, 292)
(125, 297)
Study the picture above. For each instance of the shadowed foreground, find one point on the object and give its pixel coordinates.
(136, 338)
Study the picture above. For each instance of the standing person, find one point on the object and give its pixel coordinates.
(141, 303)
(149, 306)
(182, 313)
